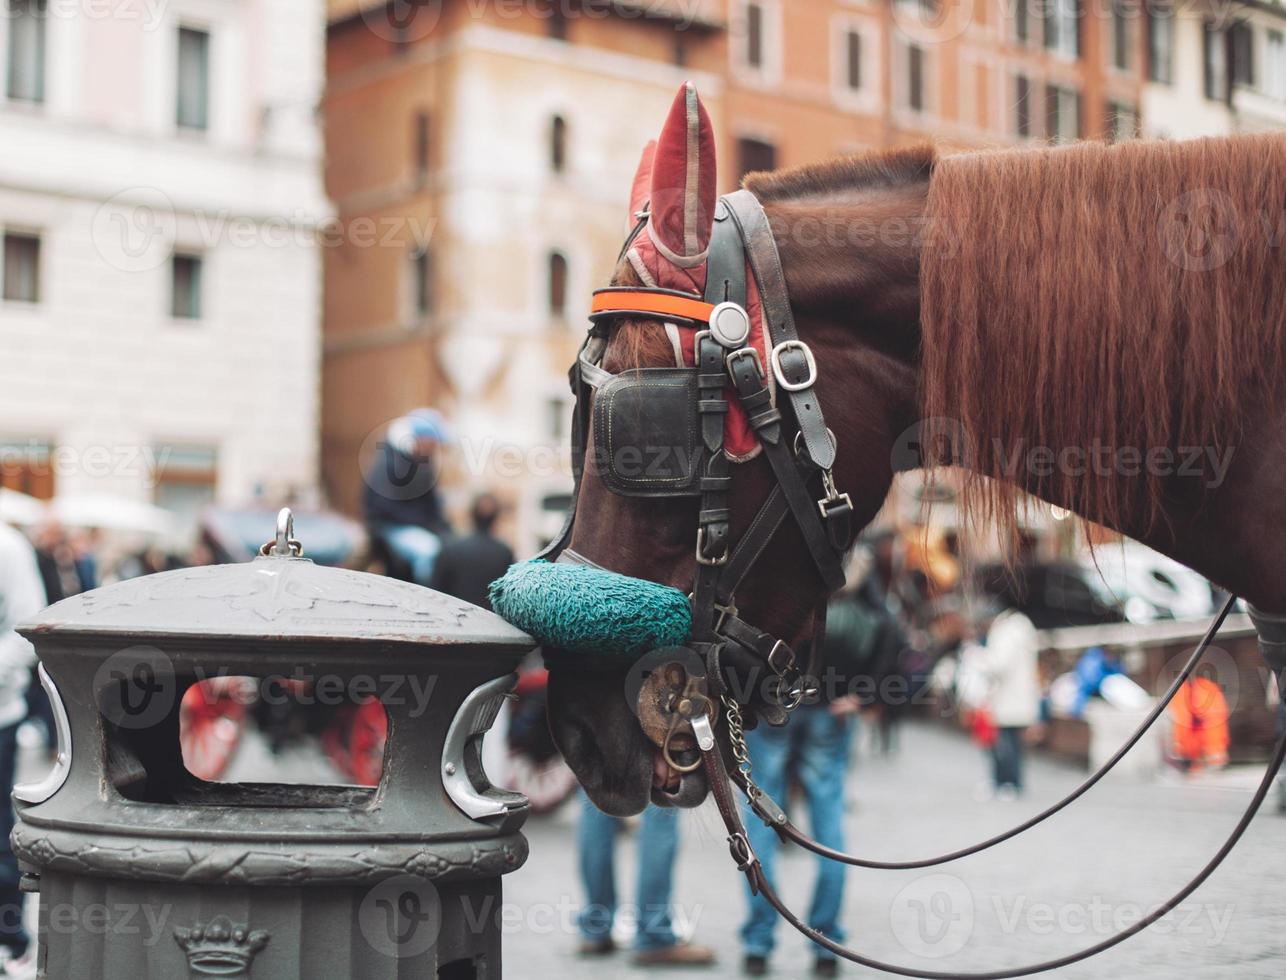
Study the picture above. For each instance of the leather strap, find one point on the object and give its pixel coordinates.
(754, 395)
(792, 357)
(663, 304)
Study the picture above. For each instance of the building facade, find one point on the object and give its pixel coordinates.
(492, 144)
(160, 204)
(1216, 68)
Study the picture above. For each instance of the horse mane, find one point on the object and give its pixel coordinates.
(1119, 296)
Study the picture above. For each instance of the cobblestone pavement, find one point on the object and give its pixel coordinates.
(1068, 884)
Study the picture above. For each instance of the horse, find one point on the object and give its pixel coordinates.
(1100, 327)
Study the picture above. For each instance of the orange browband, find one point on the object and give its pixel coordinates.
(661, 303)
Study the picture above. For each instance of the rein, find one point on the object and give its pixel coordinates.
(801, 451)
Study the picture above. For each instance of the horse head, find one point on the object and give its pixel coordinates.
(856, 306)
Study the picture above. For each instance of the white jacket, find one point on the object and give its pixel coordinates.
(1009, 661)
(22, 595)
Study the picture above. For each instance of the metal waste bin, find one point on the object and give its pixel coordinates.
(146, 872)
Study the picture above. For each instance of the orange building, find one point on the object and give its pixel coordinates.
(479, 154)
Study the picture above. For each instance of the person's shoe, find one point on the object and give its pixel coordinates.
(596, 947)
(680, 954)
(1007, 794)
(826, 968)
(755, 966)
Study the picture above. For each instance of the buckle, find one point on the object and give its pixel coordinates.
(778, 647)
(839, 502)
(701, 559)
(739, 353)
(775, 359)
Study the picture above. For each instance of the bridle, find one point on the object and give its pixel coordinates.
(624, 408)
(800, 449)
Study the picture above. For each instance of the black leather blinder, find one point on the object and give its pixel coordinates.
(647, 436)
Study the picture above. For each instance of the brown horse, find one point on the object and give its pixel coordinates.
(1097, 326)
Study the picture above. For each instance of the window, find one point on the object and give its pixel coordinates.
(1241, 39)
(557, 284)
(422, 298)
(26, 465)
(422, 147)
(185, 286)
(1022, 106)
(1062, 27)
(753, 155)
(754, 35)
(186, 478)
(26, 82)
(853, 60)
(915, 89)
(1122, 122)
(1022, 22)
(556, 24)
(1161, 46)
(1122, 36)
(193, 103)
(1215, 59)
(556, 412)
(558, 144)
(1275, 65)
(22, 267)
(1062, 114)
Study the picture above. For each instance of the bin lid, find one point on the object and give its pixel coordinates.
(275, 598)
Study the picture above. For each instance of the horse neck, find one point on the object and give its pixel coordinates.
(852, 264)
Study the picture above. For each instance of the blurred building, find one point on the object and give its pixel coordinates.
(484, 152)
(160, 199)
(1215, 68)
(480, 157)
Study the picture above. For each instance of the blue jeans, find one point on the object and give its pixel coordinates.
(658, 843)
(817, 742)
(416, 546)
(12, 933)
(1007, 758)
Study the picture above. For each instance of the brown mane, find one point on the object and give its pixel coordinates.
(1129, 296)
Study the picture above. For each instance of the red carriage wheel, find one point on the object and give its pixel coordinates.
(212, 716)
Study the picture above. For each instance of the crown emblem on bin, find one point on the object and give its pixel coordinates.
(220, 949)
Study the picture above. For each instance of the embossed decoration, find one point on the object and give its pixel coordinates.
(194, 863)
(220, 948)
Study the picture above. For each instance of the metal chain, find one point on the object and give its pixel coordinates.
(740, 751)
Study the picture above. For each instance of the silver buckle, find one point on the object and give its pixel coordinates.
(701, 539)
(777, 647)
(743, 352)
(775, 359)
(833, 496)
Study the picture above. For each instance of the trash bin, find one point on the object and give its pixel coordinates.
(146, 872)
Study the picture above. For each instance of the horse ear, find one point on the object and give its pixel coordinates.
(642, 188)
(684, 181)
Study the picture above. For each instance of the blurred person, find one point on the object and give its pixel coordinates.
(817, 738)
(56, 560)
(400, 503)
(467, 565)
(655, 943)
(22, 595)
(1007, 660)
(1199, 725)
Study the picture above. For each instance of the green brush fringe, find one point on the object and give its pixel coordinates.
(591, 611)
